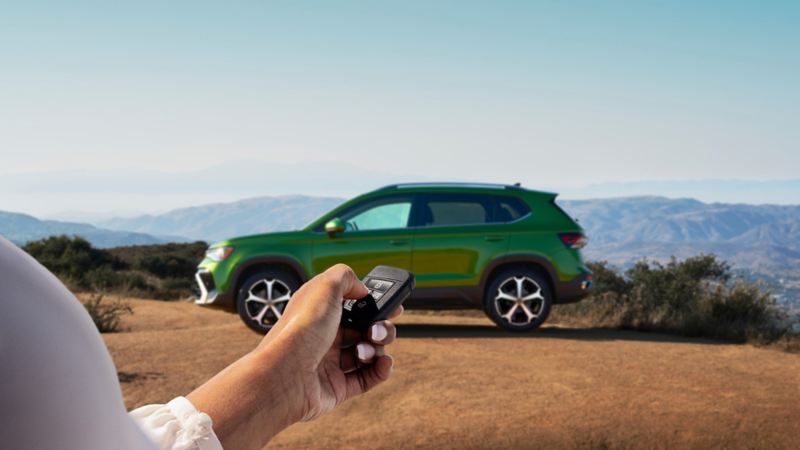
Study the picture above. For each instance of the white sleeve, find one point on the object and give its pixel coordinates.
(58, 385)
(178, 425)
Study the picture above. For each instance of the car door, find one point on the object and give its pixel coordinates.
(455, 238)
(376, 232)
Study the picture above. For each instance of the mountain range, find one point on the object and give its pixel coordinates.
(217, 221)
(760, 238)
(21, 228)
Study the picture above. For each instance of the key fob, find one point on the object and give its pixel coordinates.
(388, 288)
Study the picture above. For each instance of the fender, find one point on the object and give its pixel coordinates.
(525, 258)
(298, 268)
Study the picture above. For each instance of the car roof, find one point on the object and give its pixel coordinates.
(458, 187)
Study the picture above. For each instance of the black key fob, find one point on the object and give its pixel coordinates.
(388, 288)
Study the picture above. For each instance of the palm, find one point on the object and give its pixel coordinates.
(328, 386)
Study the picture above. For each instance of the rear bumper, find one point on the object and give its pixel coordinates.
(573, 290)
(207, 293)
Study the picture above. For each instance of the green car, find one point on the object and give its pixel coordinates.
(507, 250)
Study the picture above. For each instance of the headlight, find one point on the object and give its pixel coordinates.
(219, 253)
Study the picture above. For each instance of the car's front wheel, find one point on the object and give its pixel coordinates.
(263, 296)
(518, 299)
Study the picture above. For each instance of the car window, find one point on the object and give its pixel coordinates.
(443, 210)
(384, 215)
(509, 209)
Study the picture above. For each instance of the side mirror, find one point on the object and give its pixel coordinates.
(334, 226)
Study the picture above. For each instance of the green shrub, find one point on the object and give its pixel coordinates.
(157, 271)
(163, 260)
(693, 297)
(71, 258)
(106, 316)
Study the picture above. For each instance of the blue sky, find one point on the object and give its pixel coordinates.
(557, 95)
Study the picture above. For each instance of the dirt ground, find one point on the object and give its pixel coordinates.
(460, 382)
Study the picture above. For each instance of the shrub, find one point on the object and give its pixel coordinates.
(71, 258)
(164, 260)
(158, 271)
(106, 316)
(693, 297)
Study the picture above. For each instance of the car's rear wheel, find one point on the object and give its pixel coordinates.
(518, 299)
(263, 297)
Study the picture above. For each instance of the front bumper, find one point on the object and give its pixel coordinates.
(207, 293)
(205, 287)
(575, 289)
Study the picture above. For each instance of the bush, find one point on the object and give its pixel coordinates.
(694, 297)
(165, 260)
(158, 271)
(106, 316)
(169, 268)
(71, 258)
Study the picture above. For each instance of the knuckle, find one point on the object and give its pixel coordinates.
(342, 270)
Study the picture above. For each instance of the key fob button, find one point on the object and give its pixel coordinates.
(379, 285)
(387, 288)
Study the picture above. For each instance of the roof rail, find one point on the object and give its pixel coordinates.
(451, 184)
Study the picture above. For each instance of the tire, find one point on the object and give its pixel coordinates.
(501, 302)
(263, 297)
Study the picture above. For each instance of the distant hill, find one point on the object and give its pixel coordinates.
(21, 228)
(763, 239)
(218, 221)
(760, 238)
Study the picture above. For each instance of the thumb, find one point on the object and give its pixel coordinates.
(345, 282)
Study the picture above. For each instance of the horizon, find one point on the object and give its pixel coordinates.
(611, 192)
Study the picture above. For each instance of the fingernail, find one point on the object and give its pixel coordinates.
(365, 351)
(379, 332)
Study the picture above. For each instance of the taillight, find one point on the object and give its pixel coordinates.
(573, 240)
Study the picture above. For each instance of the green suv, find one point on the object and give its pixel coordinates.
(507, 250)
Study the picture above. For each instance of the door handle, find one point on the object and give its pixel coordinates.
(494, 238)
(398, 241)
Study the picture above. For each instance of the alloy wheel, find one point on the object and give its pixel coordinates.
(519, 300)
(266, 300)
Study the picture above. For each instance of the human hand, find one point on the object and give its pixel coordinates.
(331, 363)
(305, 366)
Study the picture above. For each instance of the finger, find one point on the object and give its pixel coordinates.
(345, 282)
(368, 377)
(382, 333)
(396, 313)
(351, 337)
(365, 352)
(347, 360)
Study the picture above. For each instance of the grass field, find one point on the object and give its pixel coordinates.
(460, 382)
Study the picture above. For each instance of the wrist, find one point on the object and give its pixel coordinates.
(249, 401)
(282, 379)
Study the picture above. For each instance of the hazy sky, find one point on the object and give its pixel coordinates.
(549, 93)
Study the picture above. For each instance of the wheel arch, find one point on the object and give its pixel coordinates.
(253, 265)
(534, 262)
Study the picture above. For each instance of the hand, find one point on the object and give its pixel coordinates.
(305, 366)
(333, 364)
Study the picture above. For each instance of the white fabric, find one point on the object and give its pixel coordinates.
(58, 385)
(177, 426)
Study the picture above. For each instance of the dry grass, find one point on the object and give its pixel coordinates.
(462, 383)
